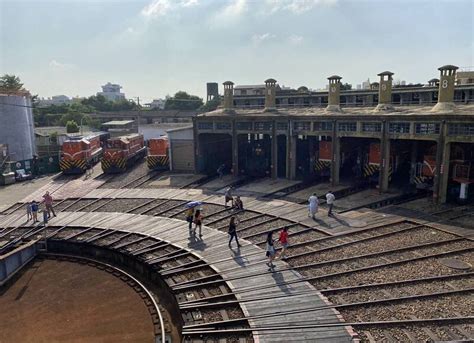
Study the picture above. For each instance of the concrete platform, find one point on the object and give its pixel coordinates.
(213, 249)
(363, 198)
(219, 184)
(174, 180)
(320, 189)
(264, 186)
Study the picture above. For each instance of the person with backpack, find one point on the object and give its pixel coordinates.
(34, 211)
(270, 251)
(233, 230)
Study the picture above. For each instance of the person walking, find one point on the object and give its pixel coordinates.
(330, 198)
(228, 196)
(89, 169)
(198, 222)
(29, 214)
(270, 251)
(283, 239)
(189, 217)
(313, 205)
(48, 201)
(34, 211)
(233, 230)
(220, 171)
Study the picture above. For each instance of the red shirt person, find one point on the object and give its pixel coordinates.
(48, 201)
(283, 239)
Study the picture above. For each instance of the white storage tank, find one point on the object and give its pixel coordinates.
(17, 128)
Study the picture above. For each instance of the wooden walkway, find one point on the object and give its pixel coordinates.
(247, 273)
(340, 223)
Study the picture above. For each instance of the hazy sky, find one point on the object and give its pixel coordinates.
(157, 47)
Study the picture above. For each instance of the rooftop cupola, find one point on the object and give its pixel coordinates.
(433, 82)
(228, 97)
(374, 86)
(446, 89)
(270, 95)
(334, 94)
(385, 91)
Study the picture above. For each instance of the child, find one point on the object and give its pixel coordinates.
(34, 210)
(239, 205)
(283, 239)
(29, 214)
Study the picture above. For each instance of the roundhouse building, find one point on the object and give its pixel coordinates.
(425, 145)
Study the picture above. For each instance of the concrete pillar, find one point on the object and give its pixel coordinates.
(311, 149)
(413, 159)
(441, 166)
(443, 175)
(291, 155)
(336, 160)
(385, 164)
(274, 151)
(235, 151)
(196, 148)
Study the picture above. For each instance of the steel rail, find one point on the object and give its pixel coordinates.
(408, 282)
(323, 263)
(334, 306)
(193, 284)
(456, 320)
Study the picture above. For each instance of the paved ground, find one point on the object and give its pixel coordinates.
(16, 192)
(56, 301)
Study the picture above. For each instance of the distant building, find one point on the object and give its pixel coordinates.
(157, 104)
(111, 91)
(56, 100)
(366, 84)
(249, 90)
(464, 77)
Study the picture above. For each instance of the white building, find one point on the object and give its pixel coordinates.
(157, 104)
(111, 91)
(55, 100)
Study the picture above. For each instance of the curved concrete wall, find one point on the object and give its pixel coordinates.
(17, 127)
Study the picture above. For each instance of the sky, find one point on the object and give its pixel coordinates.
(157, 47)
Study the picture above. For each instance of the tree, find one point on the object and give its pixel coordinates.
(183, 101)
(211, 105)
(346, 86)
(10, 83)
(72, 127)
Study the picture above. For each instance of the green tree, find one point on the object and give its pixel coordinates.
(346, 86)
(183, 101)
(211, 105)
(72, 127)
(10, 83)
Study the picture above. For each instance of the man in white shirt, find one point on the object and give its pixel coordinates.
(330, 202)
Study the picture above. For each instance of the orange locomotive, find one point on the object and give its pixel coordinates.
(158, 156)
(122, 152)
(77, 152)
